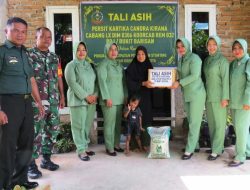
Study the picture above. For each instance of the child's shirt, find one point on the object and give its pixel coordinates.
(134, 116)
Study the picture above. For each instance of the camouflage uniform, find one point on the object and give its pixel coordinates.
(45, 65)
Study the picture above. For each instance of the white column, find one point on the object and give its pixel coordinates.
(3, 20)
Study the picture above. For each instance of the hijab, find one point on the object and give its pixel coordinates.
(76, 60)
(218, 43)
(187, 47)
(217, 54)
(106, 51)
(243, 44)
(107, 47)
(139, 70)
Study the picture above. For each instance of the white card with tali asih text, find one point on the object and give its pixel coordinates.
(162, 76)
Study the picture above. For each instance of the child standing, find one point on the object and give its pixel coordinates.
(134, 121)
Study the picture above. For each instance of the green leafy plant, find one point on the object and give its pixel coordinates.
(65, 141)
(199, 38)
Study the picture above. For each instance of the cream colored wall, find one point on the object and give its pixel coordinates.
(3, 16)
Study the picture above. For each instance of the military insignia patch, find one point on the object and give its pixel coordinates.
(12, 59)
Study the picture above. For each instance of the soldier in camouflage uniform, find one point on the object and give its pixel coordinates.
(49, 81)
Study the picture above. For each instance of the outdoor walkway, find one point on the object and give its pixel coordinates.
(137, 172)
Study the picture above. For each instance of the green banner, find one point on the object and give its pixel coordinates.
(153, 25)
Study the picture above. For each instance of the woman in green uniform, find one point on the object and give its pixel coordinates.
(216, 70)
(189, 72)
(113, 92)
(82, 98)
(240, 99)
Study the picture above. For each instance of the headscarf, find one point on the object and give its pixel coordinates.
(217, 54)
(75, 47)
(218, 42)
(139, 70)
(243, 44)
(107, 47)
(187, 46)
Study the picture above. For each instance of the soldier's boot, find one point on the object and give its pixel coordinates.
(48, 164)
(33, 171)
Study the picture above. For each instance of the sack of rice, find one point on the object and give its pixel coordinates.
(159, 144)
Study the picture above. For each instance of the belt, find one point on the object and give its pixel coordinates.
(24, 96)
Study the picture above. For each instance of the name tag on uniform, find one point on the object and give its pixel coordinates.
(12, 60)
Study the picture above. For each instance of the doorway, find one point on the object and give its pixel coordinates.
(200, 23)
(63, 21)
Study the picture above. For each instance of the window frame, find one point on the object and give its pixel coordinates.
(190, 8)
(74, 11)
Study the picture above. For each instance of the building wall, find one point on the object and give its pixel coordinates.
(232, 17)
(232, 22)
(33, 11)
(3, 16)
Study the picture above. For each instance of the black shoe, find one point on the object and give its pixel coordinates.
(186, 157)
(235, 164)
(33, 171)
(84, 158)
(211, 157)
(110, 153)
(119, 149)
(48, 164)
(248, 158)
(29, 185)
(90, 153)
(195, 150)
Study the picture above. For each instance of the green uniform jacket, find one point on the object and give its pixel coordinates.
(81, 80)
(240, 80)
(15, 70)
(216, 70)
(111, 80)
(189, 72)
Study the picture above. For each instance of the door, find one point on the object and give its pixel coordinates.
(63, 21)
